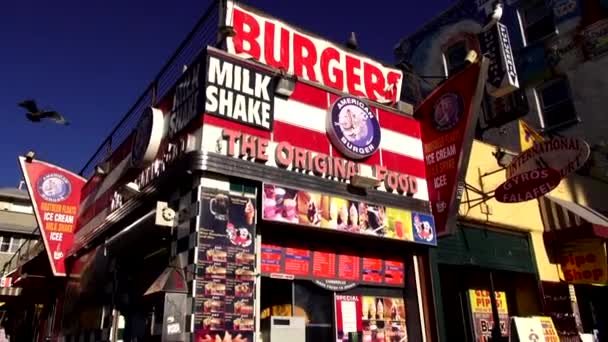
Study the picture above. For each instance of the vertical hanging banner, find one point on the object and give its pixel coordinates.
(448, 117)
(55, 195)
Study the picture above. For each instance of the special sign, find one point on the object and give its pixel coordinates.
(281, 46)
(55, 195)
(239, 93)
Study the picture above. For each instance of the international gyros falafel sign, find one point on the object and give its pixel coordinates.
(283, 47)
(239, 93)
(539, 169)
(353, 128)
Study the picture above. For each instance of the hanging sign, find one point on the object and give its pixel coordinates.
(565, 155)
(276, 44)
(527, 186)
(584, 262)
(447, 123)
(55, 195)
(502, 73)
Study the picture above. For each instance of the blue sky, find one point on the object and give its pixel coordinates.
(90, 60)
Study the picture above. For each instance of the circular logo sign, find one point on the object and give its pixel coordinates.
(54, 187)
(353, 128)
(527, 185)
(147, 138)
(447, 111)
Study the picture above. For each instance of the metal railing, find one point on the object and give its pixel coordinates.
(26, 252)
(203, 34)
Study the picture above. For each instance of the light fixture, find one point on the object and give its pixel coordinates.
(403, 106)
(471, 57)
(130, 189)
(224, 32)
(503, 157)
(29, 156)
(351, 43)
(286, 84)
(363, 182)
(102, 169)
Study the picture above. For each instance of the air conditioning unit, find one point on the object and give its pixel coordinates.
(502, 110)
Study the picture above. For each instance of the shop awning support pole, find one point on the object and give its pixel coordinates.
(496, 334)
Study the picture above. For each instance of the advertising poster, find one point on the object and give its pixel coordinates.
(225, 268)
(527, 329)
(383, 319)
(348, 316)
(549, 329)
(584, 262)
(307, 208)
(334, 271)
(447, 125)
(55, 195)
(481, 313)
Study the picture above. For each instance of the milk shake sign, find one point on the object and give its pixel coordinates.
(278, 45)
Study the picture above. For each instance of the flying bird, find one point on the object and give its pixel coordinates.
(34, 114)
(494, 17)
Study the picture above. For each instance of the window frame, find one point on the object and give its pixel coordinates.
(524, 24)
(543, 108)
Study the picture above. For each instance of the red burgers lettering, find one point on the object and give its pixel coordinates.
(280, 46)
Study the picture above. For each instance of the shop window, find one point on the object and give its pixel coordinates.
(556, 104)
(15, 244)
(537, 21)
(5, 244)
(454, 57)
(317, 306)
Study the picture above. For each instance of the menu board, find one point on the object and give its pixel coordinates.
(293, 206)
(225, 267)
(303, 263)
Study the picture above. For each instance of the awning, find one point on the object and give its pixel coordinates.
(571, 220)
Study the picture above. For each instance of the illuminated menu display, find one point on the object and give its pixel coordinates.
(307, 264)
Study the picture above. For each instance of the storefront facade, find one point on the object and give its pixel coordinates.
(497, 246)
(250, 202)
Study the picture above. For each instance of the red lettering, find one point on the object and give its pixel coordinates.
(283, 154)
(231, 137)
(374, 81)
(379, 172)
(352, 169)
(319, 164)
(413, 186)
(393, 78)
(353, 80)
(404, 185)
(247, 32)
(269, 47)
(391, 181)
(340, 168)
(262, 154)
(248, 144)
(304, 57)
(328, 55)
(590, 258)
(300, 159)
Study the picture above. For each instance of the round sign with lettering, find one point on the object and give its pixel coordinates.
(565, 155)
(335, 285)
(54, 187)
(527, 185)
(353, 128)
(447, 111)
(147, 139)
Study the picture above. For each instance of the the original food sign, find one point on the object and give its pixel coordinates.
(281, 46)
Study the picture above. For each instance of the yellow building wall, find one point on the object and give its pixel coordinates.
(484, 174)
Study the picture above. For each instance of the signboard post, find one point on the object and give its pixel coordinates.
(55, 196)
(447, 122)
